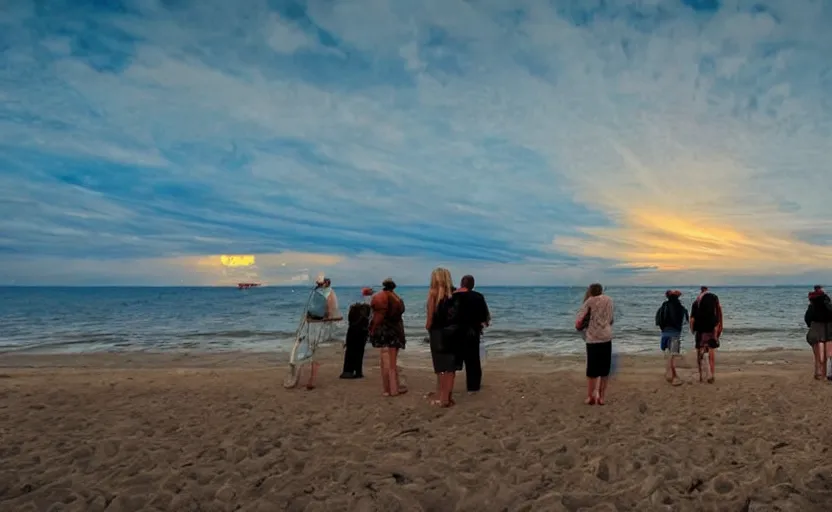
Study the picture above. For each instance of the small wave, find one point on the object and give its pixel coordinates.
(238, 334)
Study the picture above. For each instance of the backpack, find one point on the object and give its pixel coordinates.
(359, 315)
(662, 315)
(706, 315)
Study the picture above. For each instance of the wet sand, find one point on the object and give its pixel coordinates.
(134, 432)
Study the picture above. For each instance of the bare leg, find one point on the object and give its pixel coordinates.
(675, 380)
(823, 353)
(700, 356)
(816, 353)
(602, 389)
(313, 375)
(668, 370)
(449, 387)
(446, 390)
(712, 365)
(393, 373)
(590, 390)
(384, 364)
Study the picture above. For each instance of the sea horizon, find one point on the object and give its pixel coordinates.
(310, 284)
(526, 319)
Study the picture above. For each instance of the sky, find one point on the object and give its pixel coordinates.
(525, 142)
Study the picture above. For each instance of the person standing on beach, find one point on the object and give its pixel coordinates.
(706, 326)
(470, 315)
(442, 342)
(595, 319)
(818, 318)
(670, 318)
(357, 334)
(387, 335)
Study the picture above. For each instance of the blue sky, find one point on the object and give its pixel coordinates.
(527, 142)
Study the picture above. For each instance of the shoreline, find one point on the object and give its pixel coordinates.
(332, 355)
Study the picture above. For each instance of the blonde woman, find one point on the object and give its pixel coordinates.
(441, 343)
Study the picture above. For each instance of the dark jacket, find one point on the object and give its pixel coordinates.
(671, 315)
(819, 310)
(359, 323)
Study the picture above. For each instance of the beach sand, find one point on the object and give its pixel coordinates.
(134, 432)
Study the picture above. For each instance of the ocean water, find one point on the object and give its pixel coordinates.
(530, 320)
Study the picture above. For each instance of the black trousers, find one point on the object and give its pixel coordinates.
(354, 353)
(468, 355)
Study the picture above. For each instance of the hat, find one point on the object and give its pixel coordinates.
(673, 293)
(388, 283)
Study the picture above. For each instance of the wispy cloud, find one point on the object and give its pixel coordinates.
(535, 142)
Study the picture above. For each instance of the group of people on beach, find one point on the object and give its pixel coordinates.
(456, 317)
(455, 320)
(596, 317)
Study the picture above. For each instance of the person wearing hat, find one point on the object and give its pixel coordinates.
(670, 317)
(387, 335)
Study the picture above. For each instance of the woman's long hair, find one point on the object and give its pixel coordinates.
(594, 290)
(440, 285)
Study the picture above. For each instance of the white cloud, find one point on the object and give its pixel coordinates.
(449, 116)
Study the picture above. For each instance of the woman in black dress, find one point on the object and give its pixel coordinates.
(387, 335)
(441, 348)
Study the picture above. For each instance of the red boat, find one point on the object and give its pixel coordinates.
(246, 286)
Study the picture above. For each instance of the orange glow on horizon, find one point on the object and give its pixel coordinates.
(665, 242)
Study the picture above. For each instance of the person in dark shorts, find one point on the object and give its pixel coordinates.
(597, 333)
(706, 326)
(469, 315)
(818, 318)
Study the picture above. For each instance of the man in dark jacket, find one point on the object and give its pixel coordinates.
(470, 316)
(670, 318)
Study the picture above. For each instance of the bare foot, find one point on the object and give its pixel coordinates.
(385, 394)
(440, 403)
(676, 382)
(590, 401)
(600, 401)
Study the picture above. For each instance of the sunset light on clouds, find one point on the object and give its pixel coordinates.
(526, 142)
